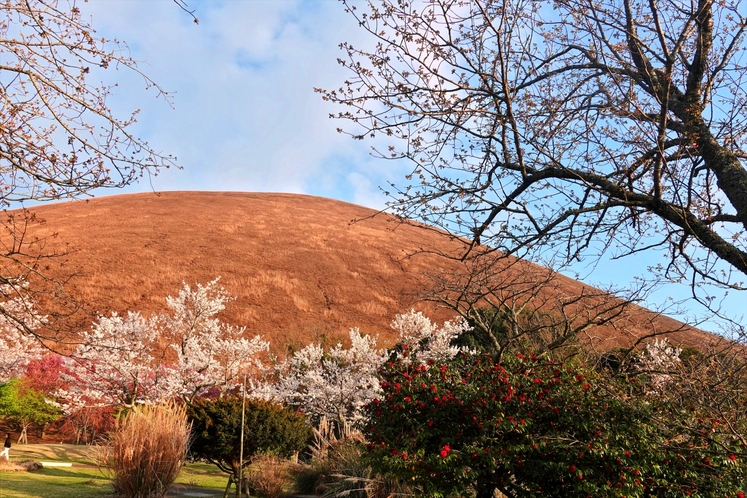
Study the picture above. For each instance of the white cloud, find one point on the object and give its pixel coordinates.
(246, 116)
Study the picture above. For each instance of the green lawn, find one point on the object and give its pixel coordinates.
(72, 482)
(83, 479)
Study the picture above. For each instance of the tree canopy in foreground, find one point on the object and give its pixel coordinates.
(562, 129)
(59, 135)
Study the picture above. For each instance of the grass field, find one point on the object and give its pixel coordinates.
(84, 479)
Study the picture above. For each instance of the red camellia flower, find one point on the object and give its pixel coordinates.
(733, 458)
(445, 451)
(740, 495)
(572, 468)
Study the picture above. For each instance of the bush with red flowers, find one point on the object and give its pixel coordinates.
(531, 427)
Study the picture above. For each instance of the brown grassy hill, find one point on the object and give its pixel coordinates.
(299, 266)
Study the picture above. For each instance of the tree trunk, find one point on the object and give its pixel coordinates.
(23, 438)
(228, 487)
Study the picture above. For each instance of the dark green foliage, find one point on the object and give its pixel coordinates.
(487, 326)
(268, 428)
(534, 428)
(498, 330)
(691, 356)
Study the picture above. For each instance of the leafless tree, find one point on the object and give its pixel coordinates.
(58, 136)
(515, 305)
(563, 129)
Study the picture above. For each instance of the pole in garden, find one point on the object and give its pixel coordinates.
(240, 484)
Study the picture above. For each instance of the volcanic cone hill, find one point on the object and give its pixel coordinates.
(302, 268)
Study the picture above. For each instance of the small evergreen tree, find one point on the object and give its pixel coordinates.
(268, 428)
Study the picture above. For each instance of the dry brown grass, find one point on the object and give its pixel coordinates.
(270, 477)
(146, 454)
(296, 263)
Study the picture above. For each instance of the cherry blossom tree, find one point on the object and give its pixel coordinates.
(563, 130)
(58, 136)
(422, 340)
(339, 382)
(208, 352)
(125, 360)
(336, 384)
(116, 363)
(17, 316)
(658, 360)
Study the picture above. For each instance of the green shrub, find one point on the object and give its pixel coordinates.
(268, 428)
(23, 406)
(531, 427)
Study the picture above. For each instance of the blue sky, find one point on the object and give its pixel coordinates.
(245, 116)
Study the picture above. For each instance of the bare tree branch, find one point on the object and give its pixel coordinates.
(559, 128)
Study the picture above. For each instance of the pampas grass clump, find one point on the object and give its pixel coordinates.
(146, 453)
(270, 476)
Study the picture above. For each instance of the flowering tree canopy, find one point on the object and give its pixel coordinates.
(658, 360)
(422, 341)
(183, 353)
(17, 347)
(59, 136)
(337, 383)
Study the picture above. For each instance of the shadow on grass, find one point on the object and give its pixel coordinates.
(56, 452)
(71, 473)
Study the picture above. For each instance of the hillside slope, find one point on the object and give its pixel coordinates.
(302, 267)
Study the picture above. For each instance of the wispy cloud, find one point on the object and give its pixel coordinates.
(245, 115)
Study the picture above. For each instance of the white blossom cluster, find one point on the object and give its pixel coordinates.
(336, 384)
(188, 351)
(422, 341)
(339, 383)
(17, 347)
(183, 353)
(657, 359)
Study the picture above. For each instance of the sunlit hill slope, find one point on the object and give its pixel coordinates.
(302, 268)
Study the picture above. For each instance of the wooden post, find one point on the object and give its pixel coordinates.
(240, 484)
(228, 487)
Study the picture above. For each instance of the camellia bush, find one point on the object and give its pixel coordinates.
(532, 427)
